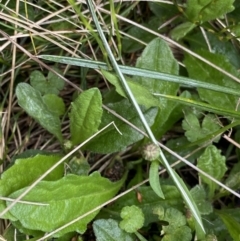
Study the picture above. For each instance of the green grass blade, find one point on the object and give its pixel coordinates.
(201, 105)
(115, 30)
(139, 72)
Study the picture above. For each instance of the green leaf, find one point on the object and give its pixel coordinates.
(233, 226)
(31, 101)
(213, 163)
(52, 85)
(206, 10)
(180, 233)
(67, 199)
(194, 131)
(54, 104)
(108, 230)
(142, 95)
(85, 115)
(206, 73)
(111, 140)
(182, 30)
(177, 229)
(157, 56)
(154, 178)
(133, 219)
(25, 171)
(199, 195)
(174, 217)
(56, 81)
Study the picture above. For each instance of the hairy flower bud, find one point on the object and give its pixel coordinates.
(151, 152)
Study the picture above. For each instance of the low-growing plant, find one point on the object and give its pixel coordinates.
(120, 169)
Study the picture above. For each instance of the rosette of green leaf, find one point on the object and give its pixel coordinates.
(182, 187)
(213, 163)
(85, 115)
(108, 230)
(50, 85)
(24, 172)
(133, 219)
(110, 140)
(66, 199)
(32, 102)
